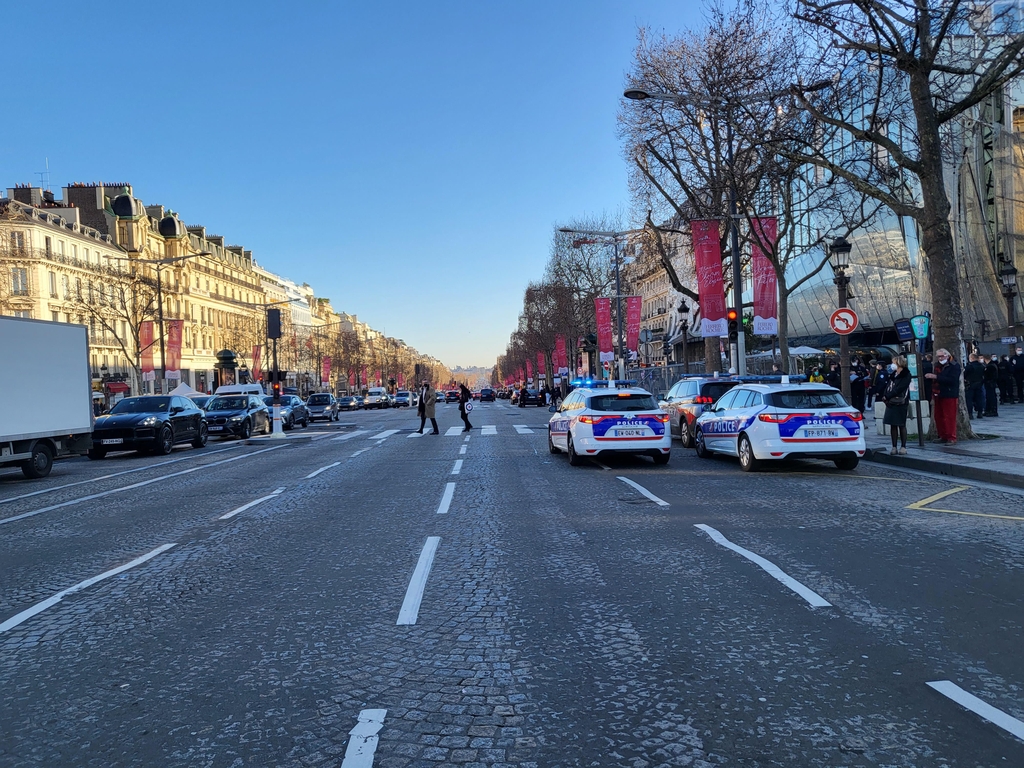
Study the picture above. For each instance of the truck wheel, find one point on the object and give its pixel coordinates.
(96, 454)
(40, 464)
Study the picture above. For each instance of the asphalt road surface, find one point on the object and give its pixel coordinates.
(372, 597)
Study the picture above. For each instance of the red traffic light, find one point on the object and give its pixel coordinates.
(731, 314)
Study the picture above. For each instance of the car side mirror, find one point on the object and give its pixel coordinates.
(177, 409)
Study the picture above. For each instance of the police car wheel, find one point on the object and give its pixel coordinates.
(574, 458)
(684, 434)
(551, 444)
(847, 462)
(748, 463)
(660, 458)
(698, 444)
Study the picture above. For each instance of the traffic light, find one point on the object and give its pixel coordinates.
(275, 389)
(734, 325)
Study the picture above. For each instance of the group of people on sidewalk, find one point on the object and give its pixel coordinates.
(427, 408)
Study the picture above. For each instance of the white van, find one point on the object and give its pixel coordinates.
(240, 389)
(376, 397)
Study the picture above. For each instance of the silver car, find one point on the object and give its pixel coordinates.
(322, 405)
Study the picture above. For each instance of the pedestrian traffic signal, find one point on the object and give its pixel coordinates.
(275, 389)
(734, 326)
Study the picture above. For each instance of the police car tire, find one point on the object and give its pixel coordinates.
(660, 458)
(551, 444)
(684, 434)
(847, 463)
(698, 445)
(574, 458)
(748, 462)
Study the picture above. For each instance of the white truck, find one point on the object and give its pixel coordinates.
(45, 393)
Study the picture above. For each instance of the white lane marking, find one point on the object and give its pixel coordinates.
(458, 466)
(111, 492)
(414, 433)
(322, 469)
(522, 429)
(414, 594)
(28, 613)
(645, 492)
(362, 741)
(385, 434)
(489, 429)
(467, 438)
(462, 449)
(361, 450)
(350, 435)
(118, 474)
(452, 431)
(605, 467)
(324, 436)
(769, 567)
(446, 500)
(251, 504)
(986, 711)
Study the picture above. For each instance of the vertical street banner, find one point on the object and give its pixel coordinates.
(603, 312)
(146, 350)
(401, 380)
(366, 378)
(541, 364)
(634, 306)
(766, 284)
(377, 377)
(173, 346)
(519, 375)
(351, 381)
(529, 370)
(561, 359)
(325, 374)
(708, 266)
(257, 362)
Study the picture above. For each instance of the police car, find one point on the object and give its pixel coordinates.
(762, 422)
(609, 419)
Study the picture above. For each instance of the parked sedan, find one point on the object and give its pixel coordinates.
(149, 423)
(293, 411)
(322, 405)
(238, 415)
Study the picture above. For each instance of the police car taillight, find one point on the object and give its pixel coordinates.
(772, 418)
(855, 416)
(662, 417)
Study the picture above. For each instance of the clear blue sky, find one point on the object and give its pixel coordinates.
(409, 160)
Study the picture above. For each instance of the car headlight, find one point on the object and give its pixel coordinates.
(149, 421)
(235, 419)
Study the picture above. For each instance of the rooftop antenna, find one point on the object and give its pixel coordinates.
(44, 176)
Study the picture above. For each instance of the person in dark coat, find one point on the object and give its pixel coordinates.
(879, 377)
(1017, 368)
(426, 408)
(897, 403)
(991, 381)
(946, 394)
(974, 384)
(927, 366)
(1005, 381)
(858, 390)
(833, 377)
(465, 397)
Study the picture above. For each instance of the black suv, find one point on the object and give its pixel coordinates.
(486, 395)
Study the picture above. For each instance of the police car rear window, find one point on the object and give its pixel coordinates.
(796, 399)
(715, 389)
(627, 403)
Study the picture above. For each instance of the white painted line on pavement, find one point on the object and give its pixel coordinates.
(28, 613)
(118, 474)
(605, 467)
(140, 484)
(385, 434)
(769, 567)
(251, 504)
(446, 500)
(522, 429)
(985, 711)
(645, 492)
(361, 450)
(414, 433)
(350, 435)
(414, 594)
(362, 741)
(462, 449)
(453, 431)
(458, 466)
(322, 469)
(467, 438)
(488, 429)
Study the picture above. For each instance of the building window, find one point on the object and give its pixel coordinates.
(49, 246)
(19, 281)
(18, 241)
(78, 288)
(22, 313)
(55, 316)
(53, 285)
(65, 283)
(74, 252)
(60, 247)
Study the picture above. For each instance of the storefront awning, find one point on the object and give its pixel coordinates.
(117, 387)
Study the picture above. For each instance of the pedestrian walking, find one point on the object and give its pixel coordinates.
(428, 399)
(974, 384)
(522, 397)
(991, 381)
(897, 403)
(465, 400)
(945, 378)
(1017, 367)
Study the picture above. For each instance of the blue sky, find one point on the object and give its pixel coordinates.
(408, 160)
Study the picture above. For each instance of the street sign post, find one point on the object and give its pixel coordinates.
(920, 324)
(917, 385)
(904, 330)
(844, 321)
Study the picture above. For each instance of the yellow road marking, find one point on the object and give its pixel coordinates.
(922, 505)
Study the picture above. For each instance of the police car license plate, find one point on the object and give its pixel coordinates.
(215, 429)
(112, 441)
(630, 432)
(821, 432)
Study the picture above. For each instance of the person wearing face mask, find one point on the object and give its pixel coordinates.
(991, 380)
(946, 380)
(974, 385)
(1005, 381)
(1017, 367)
(897, 403)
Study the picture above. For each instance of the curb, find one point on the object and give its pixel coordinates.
(881, 456)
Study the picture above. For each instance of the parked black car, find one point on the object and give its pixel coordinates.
(149, 423)
(293, 411)
(238, 415)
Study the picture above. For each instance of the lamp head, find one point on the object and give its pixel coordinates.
(840, 250)
(636, 94)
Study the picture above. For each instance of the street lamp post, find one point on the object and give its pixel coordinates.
(840, 250)
(684, 309)
(1008, 277)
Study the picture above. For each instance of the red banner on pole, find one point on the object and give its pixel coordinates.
(173, 346)
(377, 377)
(766, 283)
(603, 312)
(325, 374)
(541, 364)
(257, 370)
(529, 369)
(351, 380)
(561, 360)
(366, 377)
(634, 306)
(146, 350)
(708, 262)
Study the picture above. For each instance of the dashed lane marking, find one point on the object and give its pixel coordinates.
(605, 467)
(458, 466)
(923, 505)
(645, 492)
(350, 435)
(361, 450)
(385, 434)
(414, 594)
(446, 500)
(28, 613)
(812, 597)
(467, 438)
(985, 711)
(462, 449)
(322, 469)
(111, 492)
(252, 504)
(362, 741)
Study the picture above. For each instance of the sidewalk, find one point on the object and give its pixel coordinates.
(999, 460)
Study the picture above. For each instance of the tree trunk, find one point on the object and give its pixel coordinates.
(712, 354)
(783, 327)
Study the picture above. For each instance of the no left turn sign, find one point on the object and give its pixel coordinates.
(844, 321)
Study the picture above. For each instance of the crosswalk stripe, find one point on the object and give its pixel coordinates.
(522, 429)
(489, 429)
(452, 431)
(385, 434)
